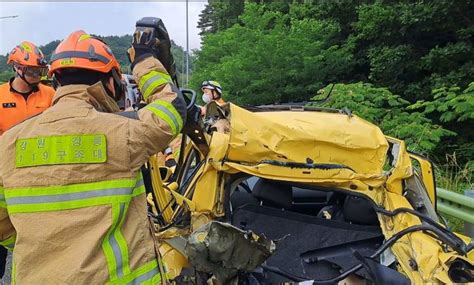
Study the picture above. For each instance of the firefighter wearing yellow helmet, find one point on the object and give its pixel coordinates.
(212, 91)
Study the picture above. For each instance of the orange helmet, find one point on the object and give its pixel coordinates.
(81, 50)
(27, 54)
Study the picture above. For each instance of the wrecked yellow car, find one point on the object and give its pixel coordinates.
(323, 195)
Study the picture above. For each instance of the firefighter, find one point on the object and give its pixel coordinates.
(212, 91)
(74, 209)
(23, 96)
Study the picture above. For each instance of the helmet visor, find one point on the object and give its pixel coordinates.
(33, 71)
(207, 85)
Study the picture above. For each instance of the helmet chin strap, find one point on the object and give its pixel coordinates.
(107, 89)
(32, 86)
(215, 95)
(119, 88)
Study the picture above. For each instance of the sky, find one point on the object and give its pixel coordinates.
(42, 22)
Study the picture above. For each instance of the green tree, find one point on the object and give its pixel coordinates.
(5, 76)
(413, 47)
(454, 108)
(4, 67)
(388, 111)
(219, 15)
(281, 51)
(272, 57)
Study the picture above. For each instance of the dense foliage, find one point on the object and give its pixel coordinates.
(418, 54)
(387, 110)
(405, 65)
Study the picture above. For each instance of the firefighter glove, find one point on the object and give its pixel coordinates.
(144, 44)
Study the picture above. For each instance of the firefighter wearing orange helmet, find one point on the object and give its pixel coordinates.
(73, 206)
(23, 96)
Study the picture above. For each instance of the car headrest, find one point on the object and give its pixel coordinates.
(273, 193)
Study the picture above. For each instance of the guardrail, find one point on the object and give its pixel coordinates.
(457, 205)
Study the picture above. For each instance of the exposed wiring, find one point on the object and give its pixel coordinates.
(280, 272)
(450, 238)
(379, 251)
(433, 229)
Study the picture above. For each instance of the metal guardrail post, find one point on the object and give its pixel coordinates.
(469, 227)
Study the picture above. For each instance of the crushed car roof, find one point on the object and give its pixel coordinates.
(311, 138)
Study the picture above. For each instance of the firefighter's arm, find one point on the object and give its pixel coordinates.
(165, 114)
(7, 231)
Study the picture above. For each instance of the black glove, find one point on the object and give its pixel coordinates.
(144, 44)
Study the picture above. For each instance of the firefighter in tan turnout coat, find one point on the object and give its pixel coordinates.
(73, 206)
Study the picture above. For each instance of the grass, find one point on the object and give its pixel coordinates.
(457, 178)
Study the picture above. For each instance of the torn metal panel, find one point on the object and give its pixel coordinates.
(213, 248)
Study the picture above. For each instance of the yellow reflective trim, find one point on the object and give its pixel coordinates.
(122, 243)
(152, 80)
(165, 116)
(114, 245)
(67, 205)
(84, 37)
(138, 191)
(26, 47)
(172, 110)
(68, 61)
(67, 189)
(64, 197)
(139, 185)
(2, 198)
(168, 113)
(157, 82)
(68, 149)
(145, 274)
(9, 243)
